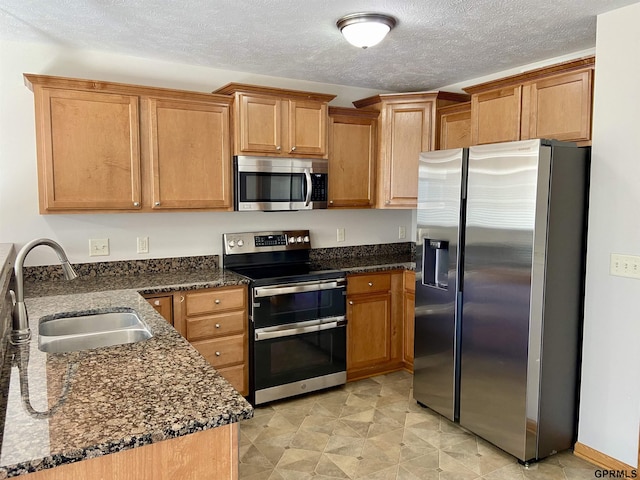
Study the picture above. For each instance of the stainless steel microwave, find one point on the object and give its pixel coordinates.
(275, 184)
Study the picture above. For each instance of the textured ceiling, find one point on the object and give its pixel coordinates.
(436, 42)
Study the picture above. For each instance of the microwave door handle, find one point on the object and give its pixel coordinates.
(307, 175)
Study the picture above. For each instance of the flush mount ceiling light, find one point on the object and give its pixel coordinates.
(365, 29)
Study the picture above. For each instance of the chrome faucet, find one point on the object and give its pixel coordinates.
(21, 332)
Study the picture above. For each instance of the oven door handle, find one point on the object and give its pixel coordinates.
(307, 175)
(298, 288)
(301, 328)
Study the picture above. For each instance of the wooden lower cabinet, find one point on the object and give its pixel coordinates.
(409, 315)
(163, 304)
(215, 322)
(374, 327)
(208, 455)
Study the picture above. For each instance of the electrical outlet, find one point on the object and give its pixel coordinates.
(624, 265)
(98, 247)
(143, 245)
(402, 232)
(340, 235)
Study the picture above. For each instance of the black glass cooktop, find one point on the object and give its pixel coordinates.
(279, 273)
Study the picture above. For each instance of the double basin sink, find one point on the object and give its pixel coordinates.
(84, 331)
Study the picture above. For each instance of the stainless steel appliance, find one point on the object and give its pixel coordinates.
(501, 238)
(273, 184)
(297, 315)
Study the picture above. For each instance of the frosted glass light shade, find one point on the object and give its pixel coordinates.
(365, 29)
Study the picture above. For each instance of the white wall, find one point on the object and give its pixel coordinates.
(610, 393)
(171, 234)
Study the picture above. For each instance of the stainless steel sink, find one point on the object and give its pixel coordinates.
(86, 331)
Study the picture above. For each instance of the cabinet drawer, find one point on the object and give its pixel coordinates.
(215, 325)
(371, 283)
(217, 300)
(236, 377)
(221, 352)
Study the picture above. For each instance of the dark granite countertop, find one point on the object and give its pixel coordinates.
(90, 403)
(109, 399)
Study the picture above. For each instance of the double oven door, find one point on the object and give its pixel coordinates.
(298, 338)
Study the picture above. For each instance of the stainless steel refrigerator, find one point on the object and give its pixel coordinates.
(499, 289)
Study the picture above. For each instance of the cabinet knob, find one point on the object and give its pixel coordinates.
(157, 204)
(156, 302)
(371, 284)
(293, 149)
(217, 325)
(331, 202)
(136, 204)
(217, 302)
(387, 202)
(350, 302)
(278, 147)
(217, 354)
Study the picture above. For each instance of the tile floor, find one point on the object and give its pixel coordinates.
(373, 429)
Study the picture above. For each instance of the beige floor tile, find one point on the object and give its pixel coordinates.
(298, 460)
(309, 440)
(373, 429)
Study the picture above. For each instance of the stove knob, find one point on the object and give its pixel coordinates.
(240, 243)
(306, 239)
(292, 240)
(232, 244)
(299, 239)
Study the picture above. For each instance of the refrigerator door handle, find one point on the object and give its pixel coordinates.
(435, 263)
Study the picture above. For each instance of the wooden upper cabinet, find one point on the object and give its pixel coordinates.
(88, 150)
(113, 147)
(260, 124)
(454, 126)
(278, 122)
(308, 128)
(190, 155)
(559, 107)
(406, 127)
(352, 157)
(495, 115)
(553, 102)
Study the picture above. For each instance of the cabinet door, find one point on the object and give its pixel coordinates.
(352, 144)
(260, 124)
(307, 128)
(190, 155)
(455, 127)
(558, 107)
(409, 318)
(163, 305)
(89, 154)
(495, 116)
(406, 133)
(368, 330)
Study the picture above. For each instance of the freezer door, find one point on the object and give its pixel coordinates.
(440, 184)
(507, 195)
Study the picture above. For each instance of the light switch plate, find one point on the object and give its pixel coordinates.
(624, 265)
(98, 247)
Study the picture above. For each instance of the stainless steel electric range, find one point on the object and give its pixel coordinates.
(297, 323)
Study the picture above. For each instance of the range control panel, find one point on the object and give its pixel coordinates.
(254, 242)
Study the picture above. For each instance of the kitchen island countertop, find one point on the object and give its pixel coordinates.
(79, 405)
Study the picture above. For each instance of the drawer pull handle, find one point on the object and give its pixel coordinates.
(217, 301)
(371, 284)
(217, 325)
(350, 302)
(217, 354)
